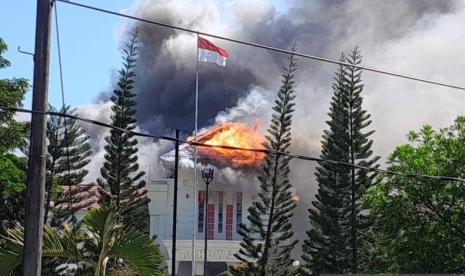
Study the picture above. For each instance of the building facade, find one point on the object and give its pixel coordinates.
(226, 210)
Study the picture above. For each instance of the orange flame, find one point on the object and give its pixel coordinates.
(234, 134)
(295, 198)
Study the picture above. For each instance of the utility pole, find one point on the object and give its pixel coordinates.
(175, 203)
(175, 198)
(32, 254)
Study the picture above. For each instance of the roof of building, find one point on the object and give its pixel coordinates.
(85, 196)
(187, 152)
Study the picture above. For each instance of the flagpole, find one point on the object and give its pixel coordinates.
(195, 196)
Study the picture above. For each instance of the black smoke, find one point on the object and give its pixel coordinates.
(166, 86)
(166, 68)
(166, 82)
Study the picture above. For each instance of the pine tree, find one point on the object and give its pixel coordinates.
(68, 154)
(120, 172)
(267, 241)
(338, 219)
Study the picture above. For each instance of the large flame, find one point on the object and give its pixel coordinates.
(234, 134)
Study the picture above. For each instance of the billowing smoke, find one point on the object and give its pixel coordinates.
(419, 37)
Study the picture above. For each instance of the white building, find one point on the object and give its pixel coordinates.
(227, 208)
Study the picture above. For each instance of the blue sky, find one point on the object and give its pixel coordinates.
(89, 45)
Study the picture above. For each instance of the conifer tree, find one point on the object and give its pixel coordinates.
(268, 239)
(337, 218)
(68, 154)
(120, 173)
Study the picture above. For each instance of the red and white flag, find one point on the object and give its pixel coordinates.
(209, 52)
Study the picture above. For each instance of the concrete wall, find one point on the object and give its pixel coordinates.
(160, 192)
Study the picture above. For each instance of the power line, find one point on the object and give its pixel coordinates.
(266, 151)
(270, 48)
(66, 136)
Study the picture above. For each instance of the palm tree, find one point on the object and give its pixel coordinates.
(102, 240)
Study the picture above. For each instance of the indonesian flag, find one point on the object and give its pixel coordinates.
(209, 52)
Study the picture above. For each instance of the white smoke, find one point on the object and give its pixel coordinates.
(255, 105)
(148, 149)
(424, 38)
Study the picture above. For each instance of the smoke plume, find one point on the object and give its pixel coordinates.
(417, 37)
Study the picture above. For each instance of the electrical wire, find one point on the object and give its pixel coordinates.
(266, 151)
(60, 67)
(270, 48)
(66, 141)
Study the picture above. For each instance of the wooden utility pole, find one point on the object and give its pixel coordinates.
(32, 254)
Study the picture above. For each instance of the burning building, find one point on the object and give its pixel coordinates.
(233, 189)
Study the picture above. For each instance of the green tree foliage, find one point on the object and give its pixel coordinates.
(120, 172)
(12, 190)
(420, 224)
(103, 243)
(11, 95)
(12, 92)
(68, 153)
(12, 137)
(338, 220)
(268, 240)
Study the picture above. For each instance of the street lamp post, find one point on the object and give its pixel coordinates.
(207, 176)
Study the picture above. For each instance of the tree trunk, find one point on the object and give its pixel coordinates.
(268, 230)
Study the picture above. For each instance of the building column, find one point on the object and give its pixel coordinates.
(199, 269)
(168, 262)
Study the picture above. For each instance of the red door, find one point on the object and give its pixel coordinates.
(229, 221)
(211, 222)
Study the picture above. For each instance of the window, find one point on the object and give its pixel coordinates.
(200, 221)
(238, 210)
(229, 221)
(220, 212)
